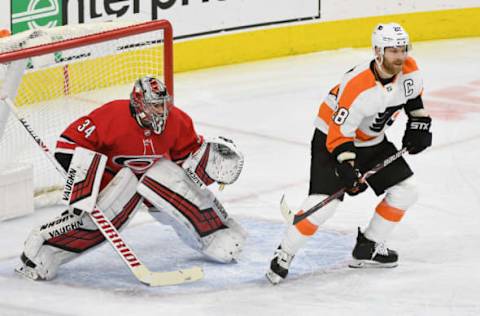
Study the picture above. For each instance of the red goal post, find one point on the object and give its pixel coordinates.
(56, 75)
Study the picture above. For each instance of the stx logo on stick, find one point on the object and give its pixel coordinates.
(111, 233)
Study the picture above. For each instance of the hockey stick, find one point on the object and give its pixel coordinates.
(139, 270)
(293, 218)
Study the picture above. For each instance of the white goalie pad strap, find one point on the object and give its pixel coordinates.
(73, 232)
(218, 159)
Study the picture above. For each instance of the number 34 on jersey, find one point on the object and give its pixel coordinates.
(86, 127)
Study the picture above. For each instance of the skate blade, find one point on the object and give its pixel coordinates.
(273, 277)
(27, 273)
(370, 264)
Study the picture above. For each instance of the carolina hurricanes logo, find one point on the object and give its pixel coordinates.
(138, 164)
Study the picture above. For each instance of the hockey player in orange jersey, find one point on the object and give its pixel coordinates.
(349, 139)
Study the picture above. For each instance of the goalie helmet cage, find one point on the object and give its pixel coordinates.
(57, 75)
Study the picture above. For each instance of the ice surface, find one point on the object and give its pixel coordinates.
(268, 108)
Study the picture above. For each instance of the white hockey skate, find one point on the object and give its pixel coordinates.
(27, 269)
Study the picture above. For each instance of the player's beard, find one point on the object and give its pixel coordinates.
(394, 67)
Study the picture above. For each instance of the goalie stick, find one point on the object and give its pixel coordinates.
(139, 270)
(293, 218)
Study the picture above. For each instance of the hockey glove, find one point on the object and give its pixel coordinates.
(350, 177)
(417, 135)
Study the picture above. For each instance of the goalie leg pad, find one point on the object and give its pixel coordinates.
(40, 261)
(72, 233)
(169, 189)
(182, 227)
(195, 214)
(83, 181)
(225, 245)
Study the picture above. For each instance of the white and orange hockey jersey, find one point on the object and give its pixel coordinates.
(360, 108)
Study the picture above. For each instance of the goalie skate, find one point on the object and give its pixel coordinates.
(370, 254)
(27, 273)
(27, 269)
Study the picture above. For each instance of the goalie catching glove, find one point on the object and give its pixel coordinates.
(217, 160)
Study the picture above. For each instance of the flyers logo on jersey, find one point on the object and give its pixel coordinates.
(138, 164)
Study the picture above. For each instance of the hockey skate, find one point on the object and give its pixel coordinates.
(370, 254)
(279, 266)
(27, 269)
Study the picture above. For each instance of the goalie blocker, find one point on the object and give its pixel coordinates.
(197, 216)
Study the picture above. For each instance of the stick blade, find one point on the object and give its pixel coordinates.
(287, 212)
(177, 277)
(170, 277)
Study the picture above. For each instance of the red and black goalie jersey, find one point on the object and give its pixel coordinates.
(113, 131)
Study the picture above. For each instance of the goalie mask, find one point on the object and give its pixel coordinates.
(389, 35)
(149, 103)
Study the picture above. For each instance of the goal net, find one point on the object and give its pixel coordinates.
(57, 75)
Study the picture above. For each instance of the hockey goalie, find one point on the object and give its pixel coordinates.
(153, 156)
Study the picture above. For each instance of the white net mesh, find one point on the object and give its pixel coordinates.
(60, 86)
